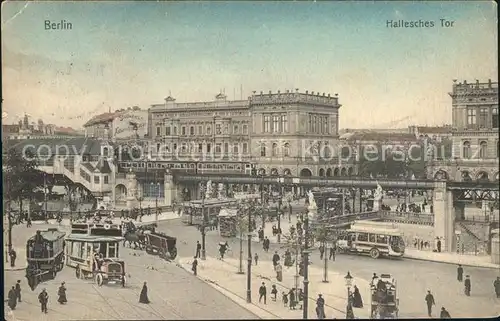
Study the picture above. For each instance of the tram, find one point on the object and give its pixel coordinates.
(192, 211)
(93, 251)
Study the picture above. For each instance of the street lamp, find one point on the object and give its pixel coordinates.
(279, 210)
(156, 188)
(249, 260)
(306, 269)
(348, 282)
(203, 225)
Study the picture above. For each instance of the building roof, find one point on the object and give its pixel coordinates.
(62, 146)
(66, 131)
(50, 235)
(434, 130)
(381, 137)
(102, 118)
(103, 166)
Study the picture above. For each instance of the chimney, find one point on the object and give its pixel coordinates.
(312, 92)
(465, 82)
(261, 92)
(269, 92)
(307, 92)
(296, 90)
(279, 92)
(288, 91)
(328, 95)
(489, 83)
(317, 94)
(323, 94)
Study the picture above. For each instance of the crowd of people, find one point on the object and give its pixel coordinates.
(14, 297)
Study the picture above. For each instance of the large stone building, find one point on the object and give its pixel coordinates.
(130, 123)
(475, 134)
(283, 133)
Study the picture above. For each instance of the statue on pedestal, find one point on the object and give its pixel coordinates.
(312, 201)
(208, 192)
(220, 191)
(377, 198)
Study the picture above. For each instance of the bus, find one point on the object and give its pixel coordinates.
(373, 238)
(192, 211)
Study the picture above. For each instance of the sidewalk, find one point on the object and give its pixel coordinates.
(21, 262)
(223, 274)
(451, 258)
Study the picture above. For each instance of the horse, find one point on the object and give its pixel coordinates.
(135, 237)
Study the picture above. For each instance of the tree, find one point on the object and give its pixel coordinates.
(20, 179)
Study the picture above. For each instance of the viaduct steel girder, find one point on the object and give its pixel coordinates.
(475, 195)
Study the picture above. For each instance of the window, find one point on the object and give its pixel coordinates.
(326, 149)
(209, 148)
(483, 149)
(167, 131)
(183, 131)
(267, 124)
(372, 238)
(466, 152)
(314, 122)
(167, 148)
(471, 116)
(158, 131)
(245, 148)
(96, 179)
(236, 149)
(236, 129)
(276, 123)
(286, 150)
(275, 149)
(325, 125)
(483, 117)
(262, 149)
(226, 148)
(200, 130)
(175, 147)
(191, 130)
(183, 147)
(284, 123)
(226, 129)
(382, 239)
(111, 250)
(106, 179)
(200, 148)
(158, 146)
(363, 237)
(175, 130)
(218, 129)
(209, 130)
(218, 148)
(245, 129)
(494, 117)
(310, 123)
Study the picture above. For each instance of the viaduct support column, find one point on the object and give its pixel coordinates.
(170, 188)
(444, 216)
(131, 190)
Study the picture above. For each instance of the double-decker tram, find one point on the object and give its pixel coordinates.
(93, 250)
(44, 255)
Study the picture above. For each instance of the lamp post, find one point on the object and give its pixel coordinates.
(203, 225)
(348, 282)
(240, 218)
(249, 260)
(279, 210)
(156, 188)
(306, 269)
(45, 214)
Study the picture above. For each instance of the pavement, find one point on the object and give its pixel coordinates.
(223, 274)
(174, 293)
(451, 258)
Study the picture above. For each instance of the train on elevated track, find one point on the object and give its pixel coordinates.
(191, 167)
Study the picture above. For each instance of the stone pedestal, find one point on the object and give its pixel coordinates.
(169, 189)
(495, 246)
(312, 214)
(131, 190)
(377, 205)
(444, 217)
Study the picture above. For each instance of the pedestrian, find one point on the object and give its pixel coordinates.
(198, 249)
(276, 258)
(194, 266)
(467, 285)
(12, 298)
(460, 273)
(18, 290)
(266, 244)
(62, 294)
(28, 222)
(279, 272)
(123, 278)
(293, 301)
(332, 252)
(496, 285)
(43, 298)
(429, 299)
(357, 300)
(439, 245)
(321, 251)
(13, 256)
(274, 292)
(143, 297)
(320, 307)
(262, 293)
(256, 258)
(284, 298)
(444, 314)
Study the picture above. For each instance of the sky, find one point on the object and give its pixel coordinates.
(123, 54)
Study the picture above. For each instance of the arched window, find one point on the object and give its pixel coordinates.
(286, 150)
(275, 149)
(483, 150)
(245, 129)
(236, 129)
(209, 130)
(191, 130)
(466, 152)
(262, 149)
(235, 149)
(175, 130)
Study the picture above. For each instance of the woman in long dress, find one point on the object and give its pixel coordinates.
(62, 294)
(357, 301)
(143, 298)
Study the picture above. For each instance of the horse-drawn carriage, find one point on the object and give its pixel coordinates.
(144, 236)
(385, 302)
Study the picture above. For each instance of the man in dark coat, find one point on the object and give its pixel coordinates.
(276, 258)
(320, 307)
(143, 298)
(198, 249)
(62, 294)
(332, 252)
(12, 298)
(439, 245)
(496, 285)
(444, 314)
(429, 299)
(194, 266)
(18, 290)
(460, 273)
(467, 285)
(263, 293)
(293, 301)
(321, 251)
(43, 298)
(13, 256)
